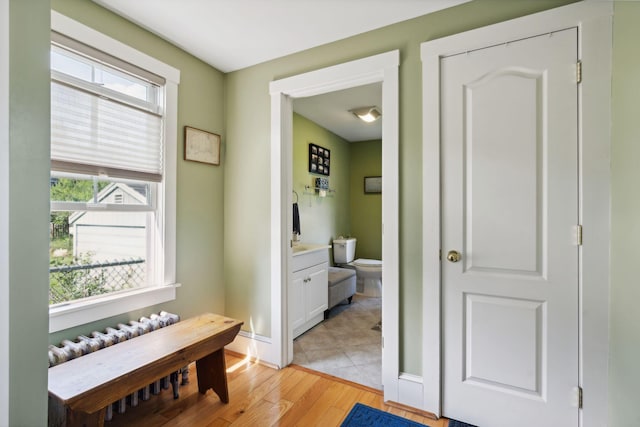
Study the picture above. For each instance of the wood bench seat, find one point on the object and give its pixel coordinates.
(82, 388)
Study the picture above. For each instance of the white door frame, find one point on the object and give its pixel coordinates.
(379, 68)
(594, 23)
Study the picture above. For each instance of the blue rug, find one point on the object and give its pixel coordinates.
(365, 416)
(454, 423)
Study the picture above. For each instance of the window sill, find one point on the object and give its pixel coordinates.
(79, 313)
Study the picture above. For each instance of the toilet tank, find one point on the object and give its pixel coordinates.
(344, 250)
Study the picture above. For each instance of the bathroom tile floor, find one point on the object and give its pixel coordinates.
(348, 345)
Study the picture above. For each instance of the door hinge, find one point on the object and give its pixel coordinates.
(579, 72)
(579, 397)
(440, 254)
(579, 235)
(576, 397)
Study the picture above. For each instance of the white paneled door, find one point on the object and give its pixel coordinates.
(509, 142)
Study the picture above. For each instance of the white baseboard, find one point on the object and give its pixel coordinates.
(257, 347)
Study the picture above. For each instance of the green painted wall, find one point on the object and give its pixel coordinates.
(200, 219)
(247, 185)
(321, 218)
(625, 212)
(29, 90)
(366, 209)
(201, 214)
(347, 211)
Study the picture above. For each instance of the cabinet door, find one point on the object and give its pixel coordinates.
(317, 290)
(296, 300)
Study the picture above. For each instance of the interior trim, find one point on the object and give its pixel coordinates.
(594, 23)
(379, 68)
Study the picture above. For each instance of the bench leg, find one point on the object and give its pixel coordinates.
(82, 419)
(212, 374)
(61, 415)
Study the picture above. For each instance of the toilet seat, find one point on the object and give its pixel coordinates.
(368, 263)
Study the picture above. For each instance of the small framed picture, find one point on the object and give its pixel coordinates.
(319, 159)
(372, 184)
(201, 146)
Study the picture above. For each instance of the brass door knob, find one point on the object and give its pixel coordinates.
(454, 256)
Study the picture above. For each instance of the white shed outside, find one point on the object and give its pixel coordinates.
(111, 236)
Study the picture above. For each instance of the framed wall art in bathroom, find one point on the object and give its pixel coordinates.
(319, 159)
(372, 184)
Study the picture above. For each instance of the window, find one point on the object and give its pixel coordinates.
(113, 154)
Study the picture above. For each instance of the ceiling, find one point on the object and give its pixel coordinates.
(234, 34)
(331, 111)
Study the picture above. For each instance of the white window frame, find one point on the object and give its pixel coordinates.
(85, 311)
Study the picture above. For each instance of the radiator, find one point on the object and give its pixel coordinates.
(68, 350)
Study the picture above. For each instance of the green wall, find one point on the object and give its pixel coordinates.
(247, 185)
(366, 209)
(201, 223)
(625, 212)
(347, 211)
(200, 219)
(321, 218)
(29, 90)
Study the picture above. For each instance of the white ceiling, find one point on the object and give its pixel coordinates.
(234, 34)
(331, 111)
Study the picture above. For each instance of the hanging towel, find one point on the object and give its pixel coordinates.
(296, 219)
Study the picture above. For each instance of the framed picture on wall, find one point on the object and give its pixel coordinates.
(372, 184)
(319, 159)
(201, 146)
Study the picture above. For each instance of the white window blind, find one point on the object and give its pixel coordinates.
(98, 136)
(106, 114)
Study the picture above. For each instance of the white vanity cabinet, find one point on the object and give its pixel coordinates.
(308, 290)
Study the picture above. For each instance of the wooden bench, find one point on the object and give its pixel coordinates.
(82, 388)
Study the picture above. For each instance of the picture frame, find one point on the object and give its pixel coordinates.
(201, 146)
(372, 184)
(319, 158)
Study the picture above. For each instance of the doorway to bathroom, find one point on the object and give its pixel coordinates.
(331, 145)
(382, 68)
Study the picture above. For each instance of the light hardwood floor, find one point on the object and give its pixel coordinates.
(262, 396)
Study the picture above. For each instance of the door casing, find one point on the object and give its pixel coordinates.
(378, 68)
(594, 24)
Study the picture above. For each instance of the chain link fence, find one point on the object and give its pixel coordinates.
(72, 282)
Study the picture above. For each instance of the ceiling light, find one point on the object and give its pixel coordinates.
(367, 114)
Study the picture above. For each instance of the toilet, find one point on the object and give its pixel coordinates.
(368, 271)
